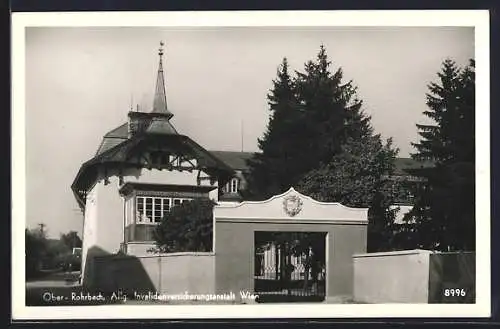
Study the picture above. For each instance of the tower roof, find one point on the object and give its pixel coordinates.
(160, 98)
(157, 121)
(124, 147)
(127, 155)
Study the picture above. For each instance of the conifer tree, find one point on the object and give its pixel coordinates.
(320, 141)
(275, 168)
(312, 115)
(444, 213)
(332, 111)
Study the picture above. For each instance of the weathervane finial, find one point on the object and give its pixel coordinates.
(160, 98)
(160, 50)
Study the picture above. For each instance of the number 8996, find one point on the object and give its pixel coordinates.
(455, 292)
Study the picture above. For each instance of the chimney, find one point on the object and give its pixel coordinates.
(137, 122)
(132, 125)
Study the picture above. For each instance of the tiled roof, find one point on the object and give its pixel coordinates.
(120, 154)
(113, 138)
(235, 160)
(407, 163)
(161, 127)
(108, 143)
(119, 132)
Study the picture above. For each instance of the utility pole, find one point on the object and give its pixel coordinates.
(241, 135)
(42, 228)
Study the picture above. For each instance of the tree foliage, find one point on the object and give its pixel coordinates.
(320, 140)
(312, 115)
(71, 240)
(44, 253)
(271, 170)
(309, 246)
(35, 251)
(187, 227)
(358, 177)
(332, 111)
(444, 213)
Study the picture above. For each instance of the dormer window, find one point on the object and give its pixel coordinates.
(232, 186)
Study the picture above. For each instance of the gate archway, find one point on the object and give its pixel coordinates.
(296, 229)
(290, 266)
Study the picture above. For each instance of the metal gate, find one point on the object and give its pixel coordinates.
(290, 266)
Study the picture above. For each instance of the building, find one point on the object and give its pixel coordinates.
(143, 168)
(403, 196)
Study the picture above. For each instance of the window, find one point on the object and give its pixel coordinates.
(233, 186)
(166, 205)
(152, 209)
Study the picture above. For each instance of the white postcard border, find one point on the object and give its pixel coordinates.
(477, 18)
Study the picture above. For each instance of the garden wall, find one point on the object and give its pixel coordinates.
(391, 277)
(452, 277)
(414, 276)
(174, 273)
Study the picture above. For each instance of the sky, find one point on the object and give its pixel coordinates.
(82, 81)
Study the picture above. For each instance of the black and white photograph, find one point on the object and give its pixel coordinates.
(250, 164)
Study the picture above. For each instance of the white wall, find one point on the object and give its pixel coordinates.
(129, 210)
(310, 210)
(392, 277)
(155, 176)
(89, 224)
(103, 226)
(176, 273)
(403, 210)
(139, 248)
(110, 220)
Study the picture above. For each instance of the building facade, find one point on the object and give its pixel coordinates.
(140, 171)
(403, 181)
(143, 168)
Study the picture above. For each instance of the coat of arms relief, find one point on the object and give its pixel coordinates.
(292, 205)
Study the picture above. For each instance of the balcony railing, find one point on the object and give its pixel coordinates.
(140, 232)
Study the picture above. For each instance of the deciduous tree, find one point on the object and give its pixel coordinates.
(71, 240)
(187, 227)
(35, 251)
(358, 177)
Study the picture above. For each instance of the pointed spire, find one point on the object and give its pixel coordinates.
(160, 98)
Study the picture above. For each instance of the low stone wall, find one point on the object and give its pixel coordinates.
(452, 277)
(392, 277)
(139, 249)
(175, 273)
(414, 276)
